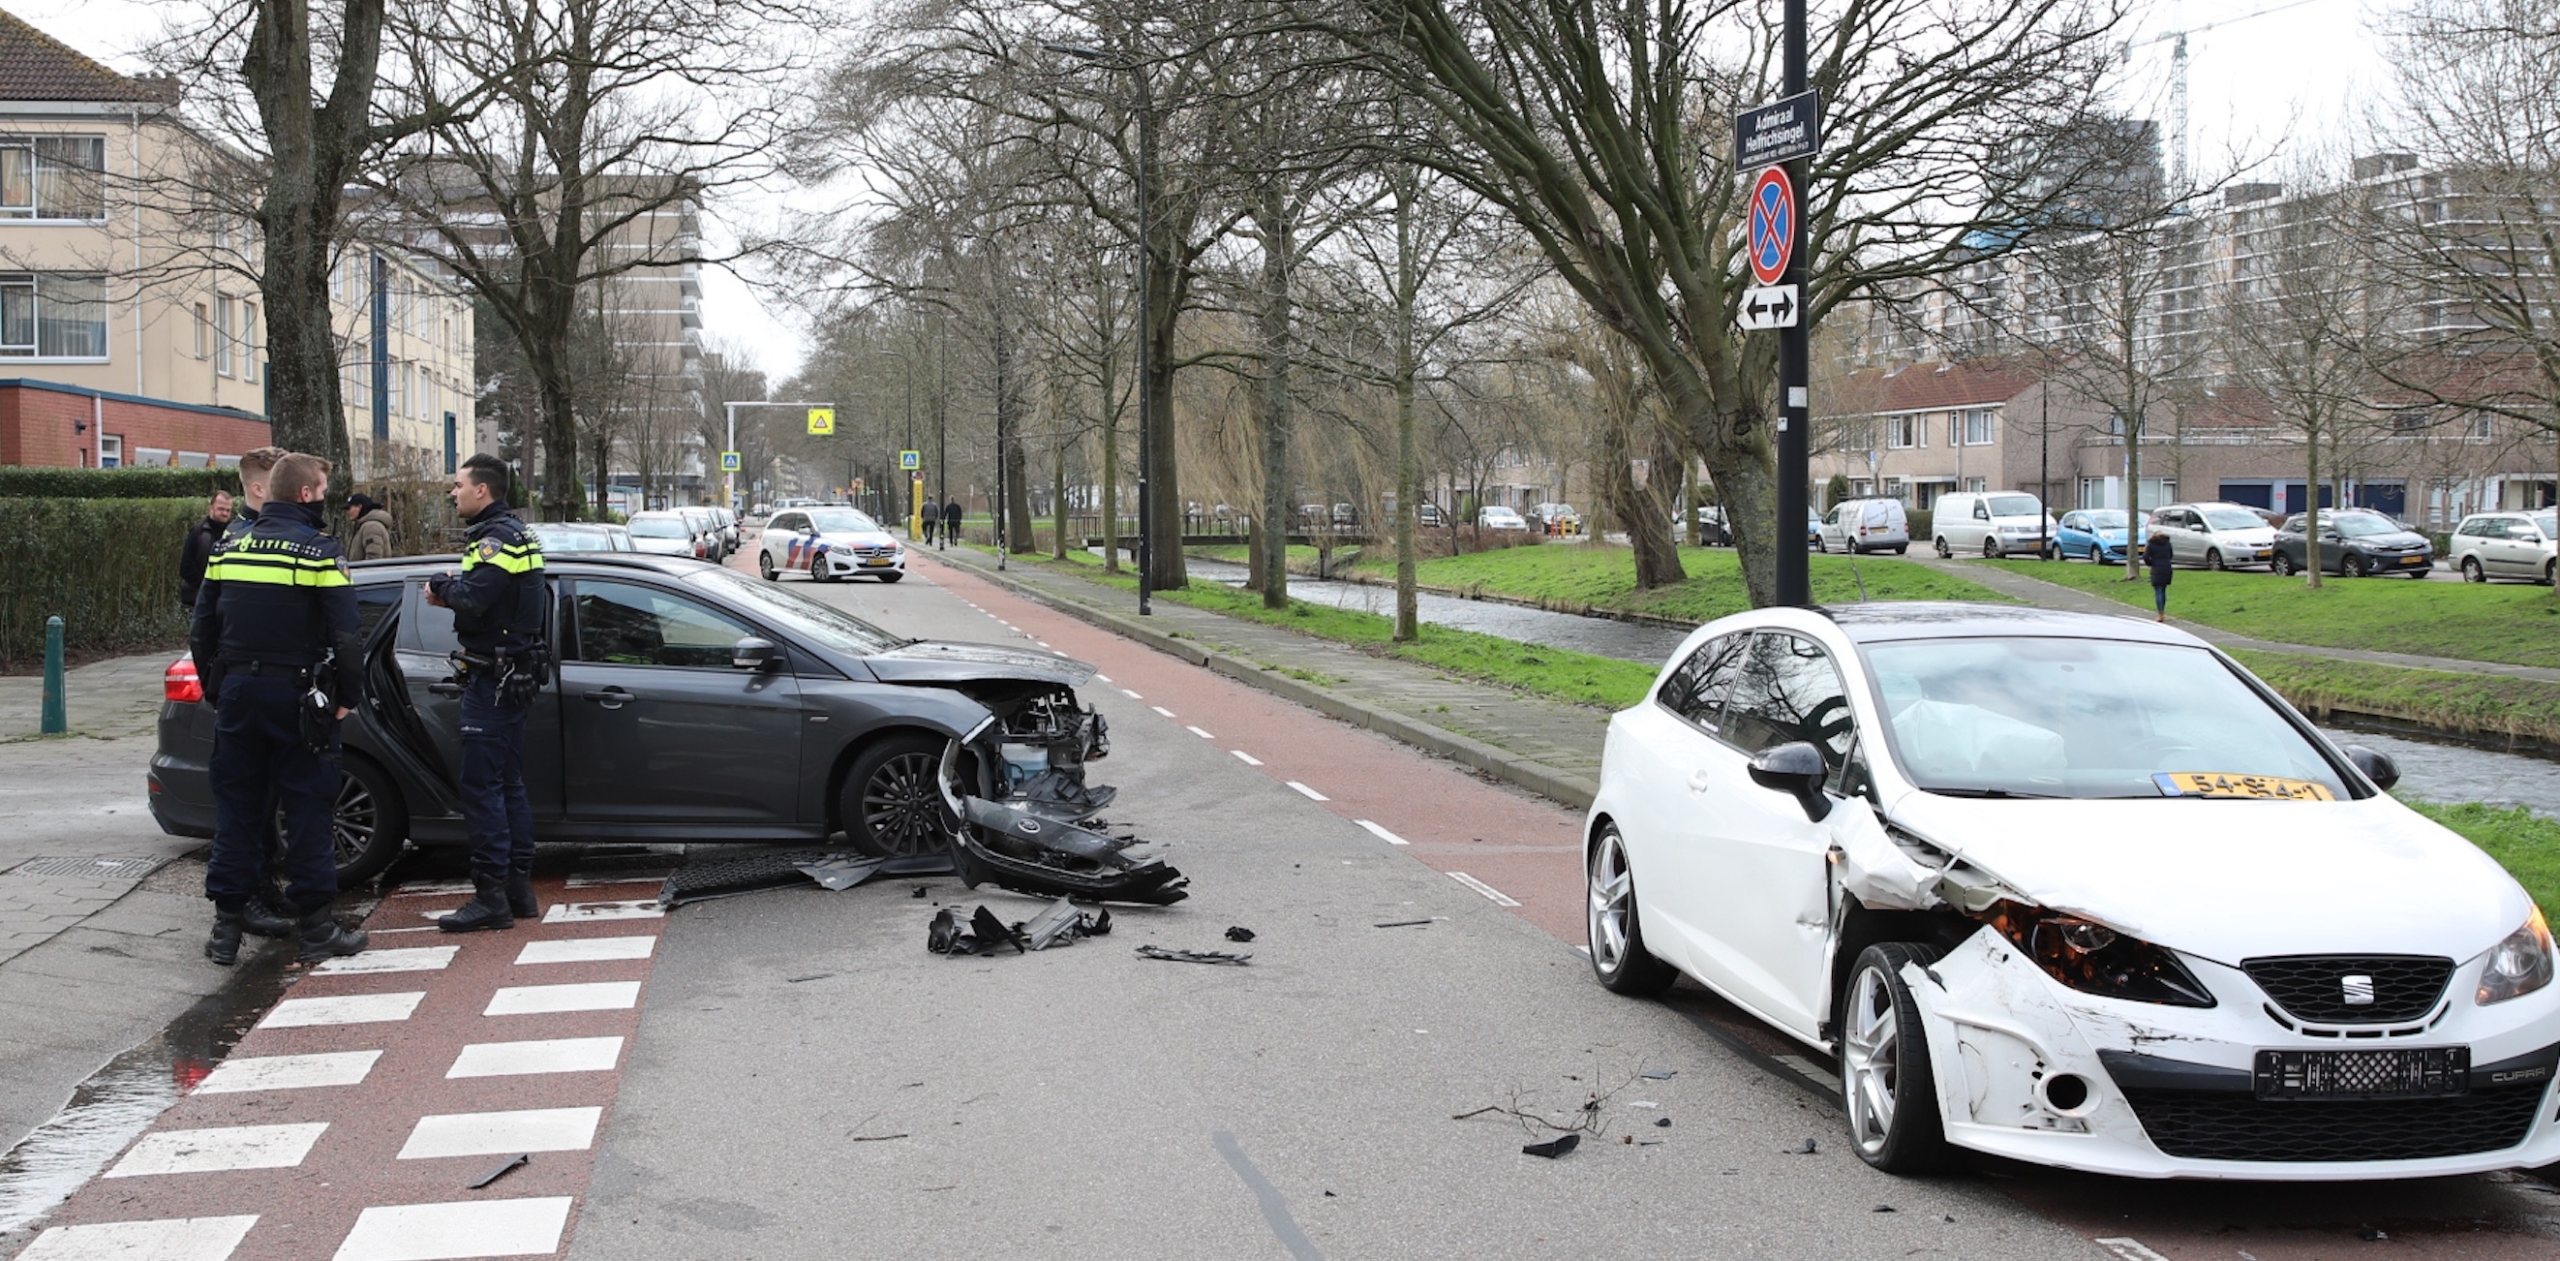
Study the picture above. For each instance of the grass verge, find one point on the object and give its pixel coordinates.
(2515, 623)
(2523, 842)
(1585, 577)
(2468, 704)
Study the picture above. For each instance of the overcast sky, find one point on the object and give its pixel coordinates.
(2308, 68)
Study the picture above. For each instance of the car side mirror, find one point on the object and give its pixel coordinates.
(2377, 767)
(752, 653)
(1795, 768)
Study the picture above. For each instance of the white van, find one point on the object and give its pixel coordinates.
(1865, 525)
(1996, 523)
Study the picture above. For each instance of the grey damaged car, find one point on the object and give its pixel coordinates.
(693, 703)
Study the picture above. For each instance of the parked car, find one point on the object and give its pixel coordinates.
(1555, 518)
(694, 703)
(2096, 534)
(1997, 523)
(1428, 515)
(829, 544)
(706, 532)
(1712, 530)
(1865, 525)
(664, 532)
(2070, 889)
(1497, 517)
(2353, 543)
(2217, 535)
(2507, 545)
(728, 522)
(581, 536)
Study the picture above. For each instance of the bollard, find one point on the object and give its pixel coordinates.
(56, 721)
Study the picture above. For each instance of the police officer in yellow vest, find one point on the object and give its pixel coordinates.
(498, 603)
(276, 644)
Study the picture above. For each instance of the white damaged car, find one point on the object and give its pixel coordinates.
(2074, 890)
(827, 544)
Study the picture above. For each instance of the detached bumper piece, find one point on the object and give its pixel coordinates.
(1014, 847)
(783, 869)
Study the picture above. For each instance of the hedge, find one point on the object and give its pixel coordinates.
(198, 484)
(107, 567)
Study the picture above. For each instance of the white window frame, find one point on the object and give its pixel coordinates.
(30, 211)
(30, 288)
(1979, 419)
(223, 313)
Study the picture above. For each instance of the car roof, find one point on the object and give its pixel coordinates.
(1951, 619)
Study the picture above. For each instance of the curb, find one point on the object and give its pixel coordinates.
(1537, 777)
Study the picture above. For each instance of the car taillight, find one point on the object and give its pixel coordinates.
(181, 684)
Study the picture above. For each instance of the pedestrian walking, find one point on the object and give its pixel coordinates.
(950, 522)
(2161, 560)
(371, 523)
(276, 647)
(932, 518)
(498, 602)
(201, 538)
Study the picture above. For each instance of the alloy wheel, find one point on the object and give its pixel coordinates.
(1871, 1060)
(1612, 902)
(2471, 570)
(2353, 567)
(352, 824)
(2213, 559)
(902, 805)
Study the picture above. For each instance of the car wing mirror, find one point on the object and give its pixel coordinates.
(752, 653)
(2376, 766)
(1795, 768)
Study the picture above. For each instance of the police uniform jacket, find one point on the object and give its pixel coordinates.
(497, 599)
(277, 594)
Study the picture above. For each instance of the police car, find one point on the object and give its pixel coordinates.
(826, 544)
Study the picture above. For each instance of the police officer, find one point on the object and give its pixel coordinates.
(266, 914)
(498, 601)
(275, 641)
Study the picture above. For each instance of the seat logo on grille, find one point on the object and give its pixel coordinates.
(2356, 991)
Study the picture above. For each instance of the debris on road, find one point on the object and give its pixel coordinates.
(842, 871)
(512, 1164)
(871, 1138)
(788, 869)
(1664, 1123)
(1239, 934)
(1402, 923)
(814, 976)
(1063, 925)
(1058, 924)
(1553, 1147)
(1807, 1150)
(1660, 1074)
(1194, 956)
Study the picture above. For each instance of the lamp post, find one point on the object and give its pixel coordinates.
(1145, 181)
(731, 408)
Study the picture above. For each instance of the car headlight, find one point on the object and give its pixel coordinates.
(2519, 965)
(2095, 959)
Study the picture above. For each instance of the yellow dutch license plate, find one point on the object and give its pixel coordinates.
(2257, 787)
(875, 561)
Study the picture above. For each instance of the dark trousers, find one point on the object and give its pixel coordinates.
(929, 524)
(493, 798)
(260, 763)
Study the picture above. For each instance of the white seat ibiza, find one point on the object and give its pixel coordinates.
(2075, 890)
(827, 544)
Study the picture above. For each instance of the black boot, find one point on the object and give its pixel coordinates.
(324, 938)
(261, 920)
(223, 946)
(486, 909)
(520, 902)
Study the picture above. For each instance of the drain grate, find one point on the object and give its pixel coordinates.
(93, 868)
(754, 873)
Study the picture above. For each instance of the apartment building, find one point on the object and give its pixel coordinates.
(406, 364)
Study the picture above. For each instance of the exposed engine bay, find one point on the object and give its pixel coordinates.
(1023, 816)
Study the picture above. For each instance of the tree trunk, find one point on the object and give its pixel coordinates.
(1408, 456)
(1110, 479)
(1162, 474)
(1058, 504)
(1649, 525)
(2311, 510)
(1271, 393)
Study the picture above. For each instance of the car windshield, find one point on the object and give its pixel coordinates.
(2109, 519)
(2233, 519)
(843, 521)
(2356, 525)
(2015, 506)
(658, 528)
(2548, 521)
(554, 539)
(819, 623)
(2053, 717)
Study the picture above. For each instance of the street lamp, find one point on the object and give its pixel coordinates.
(1145, 182)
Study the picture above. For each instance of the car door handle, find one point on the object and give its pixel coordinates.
(447, 688)
(1700, 781)
(611, 697)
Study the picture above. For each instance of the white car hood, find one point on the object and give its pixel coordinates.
(2232, 880)
(855, 538)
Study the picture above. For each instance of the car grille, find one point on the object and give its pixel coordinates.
(875, 553)
(2312, 987)
(2221, 1125)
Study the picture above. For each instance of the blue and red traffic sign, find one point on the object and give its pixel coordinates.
(1773, 225)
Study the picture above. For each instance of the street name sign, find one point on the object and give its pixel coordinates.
(822, 421)
(1780, 131)
(729, 462)
(1774, 306)
(911, 460)
(1772, 207)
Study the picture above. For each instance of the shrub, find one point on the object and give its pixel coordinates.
(423, 522)
(1923, 523)
(107, 567)
(198, 484)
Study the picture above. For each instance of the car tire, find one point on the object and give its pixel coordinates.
(1991, 550)
(891, 577)
(1944, 552)
(890, 803)
(1887, 1084)
(2284, 566)
(2551, 573)
(1618, 956)
(1821, 545)
(2471, 571)
(2213, 559)
(764, 565)
(1901, 549)
(369, 825)
(2354, 567)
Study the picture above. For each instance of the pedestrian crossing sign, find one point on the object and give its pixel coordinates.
(822, 421)
(911, 460)
(729, 462)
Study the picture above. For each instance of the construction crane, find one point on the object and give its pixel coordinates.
(2177, 41)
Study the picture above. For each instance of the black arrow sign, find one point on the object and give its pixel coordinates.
(1781, 308)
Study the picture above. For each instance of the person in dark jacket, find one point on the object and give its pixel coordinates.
(950, 522)
(371, 526)
(200, 540)
(2161, 560)
(275, 643)
(498, 602)
(932, 515)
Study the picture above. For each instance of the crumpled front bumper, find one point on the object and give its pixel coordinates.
(2168, 1092)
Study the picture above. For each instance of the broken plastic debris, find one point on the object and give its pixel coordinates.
(1063, 925)
(1664, 1123)
(1193, 956)
(1642, 1103)
(1239, 934)
(1553, 1147)
(1807, 1150)
(1403, 923)
(1882, 1208)
(1661, 1074)
(814, 976)
(512, 1164)
(841, 872)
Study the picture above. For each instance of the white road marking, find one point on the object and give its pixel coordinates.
(579, 912)
(411, 959)
(530, 1000)
(1246, 758)
(1499, 897)
(586, 950)
(1042, 642)
(169, 1239)
(551, 1055)
(377, 932)
(288, 1072)
(1311, 794)
(1379, 832)
(348, 1009)
(502, 1133)
(1131, 695)
(1161, 710)
(432, 889)
(1104, 677)
(2129, 1249)
(219, 1149)
(1198, 732)
(470, 1228)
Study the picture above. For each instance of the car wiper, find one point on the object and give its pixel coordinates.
(1997, 794)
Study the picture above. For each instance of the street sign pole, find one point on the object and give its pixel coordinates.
(1794, 582)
